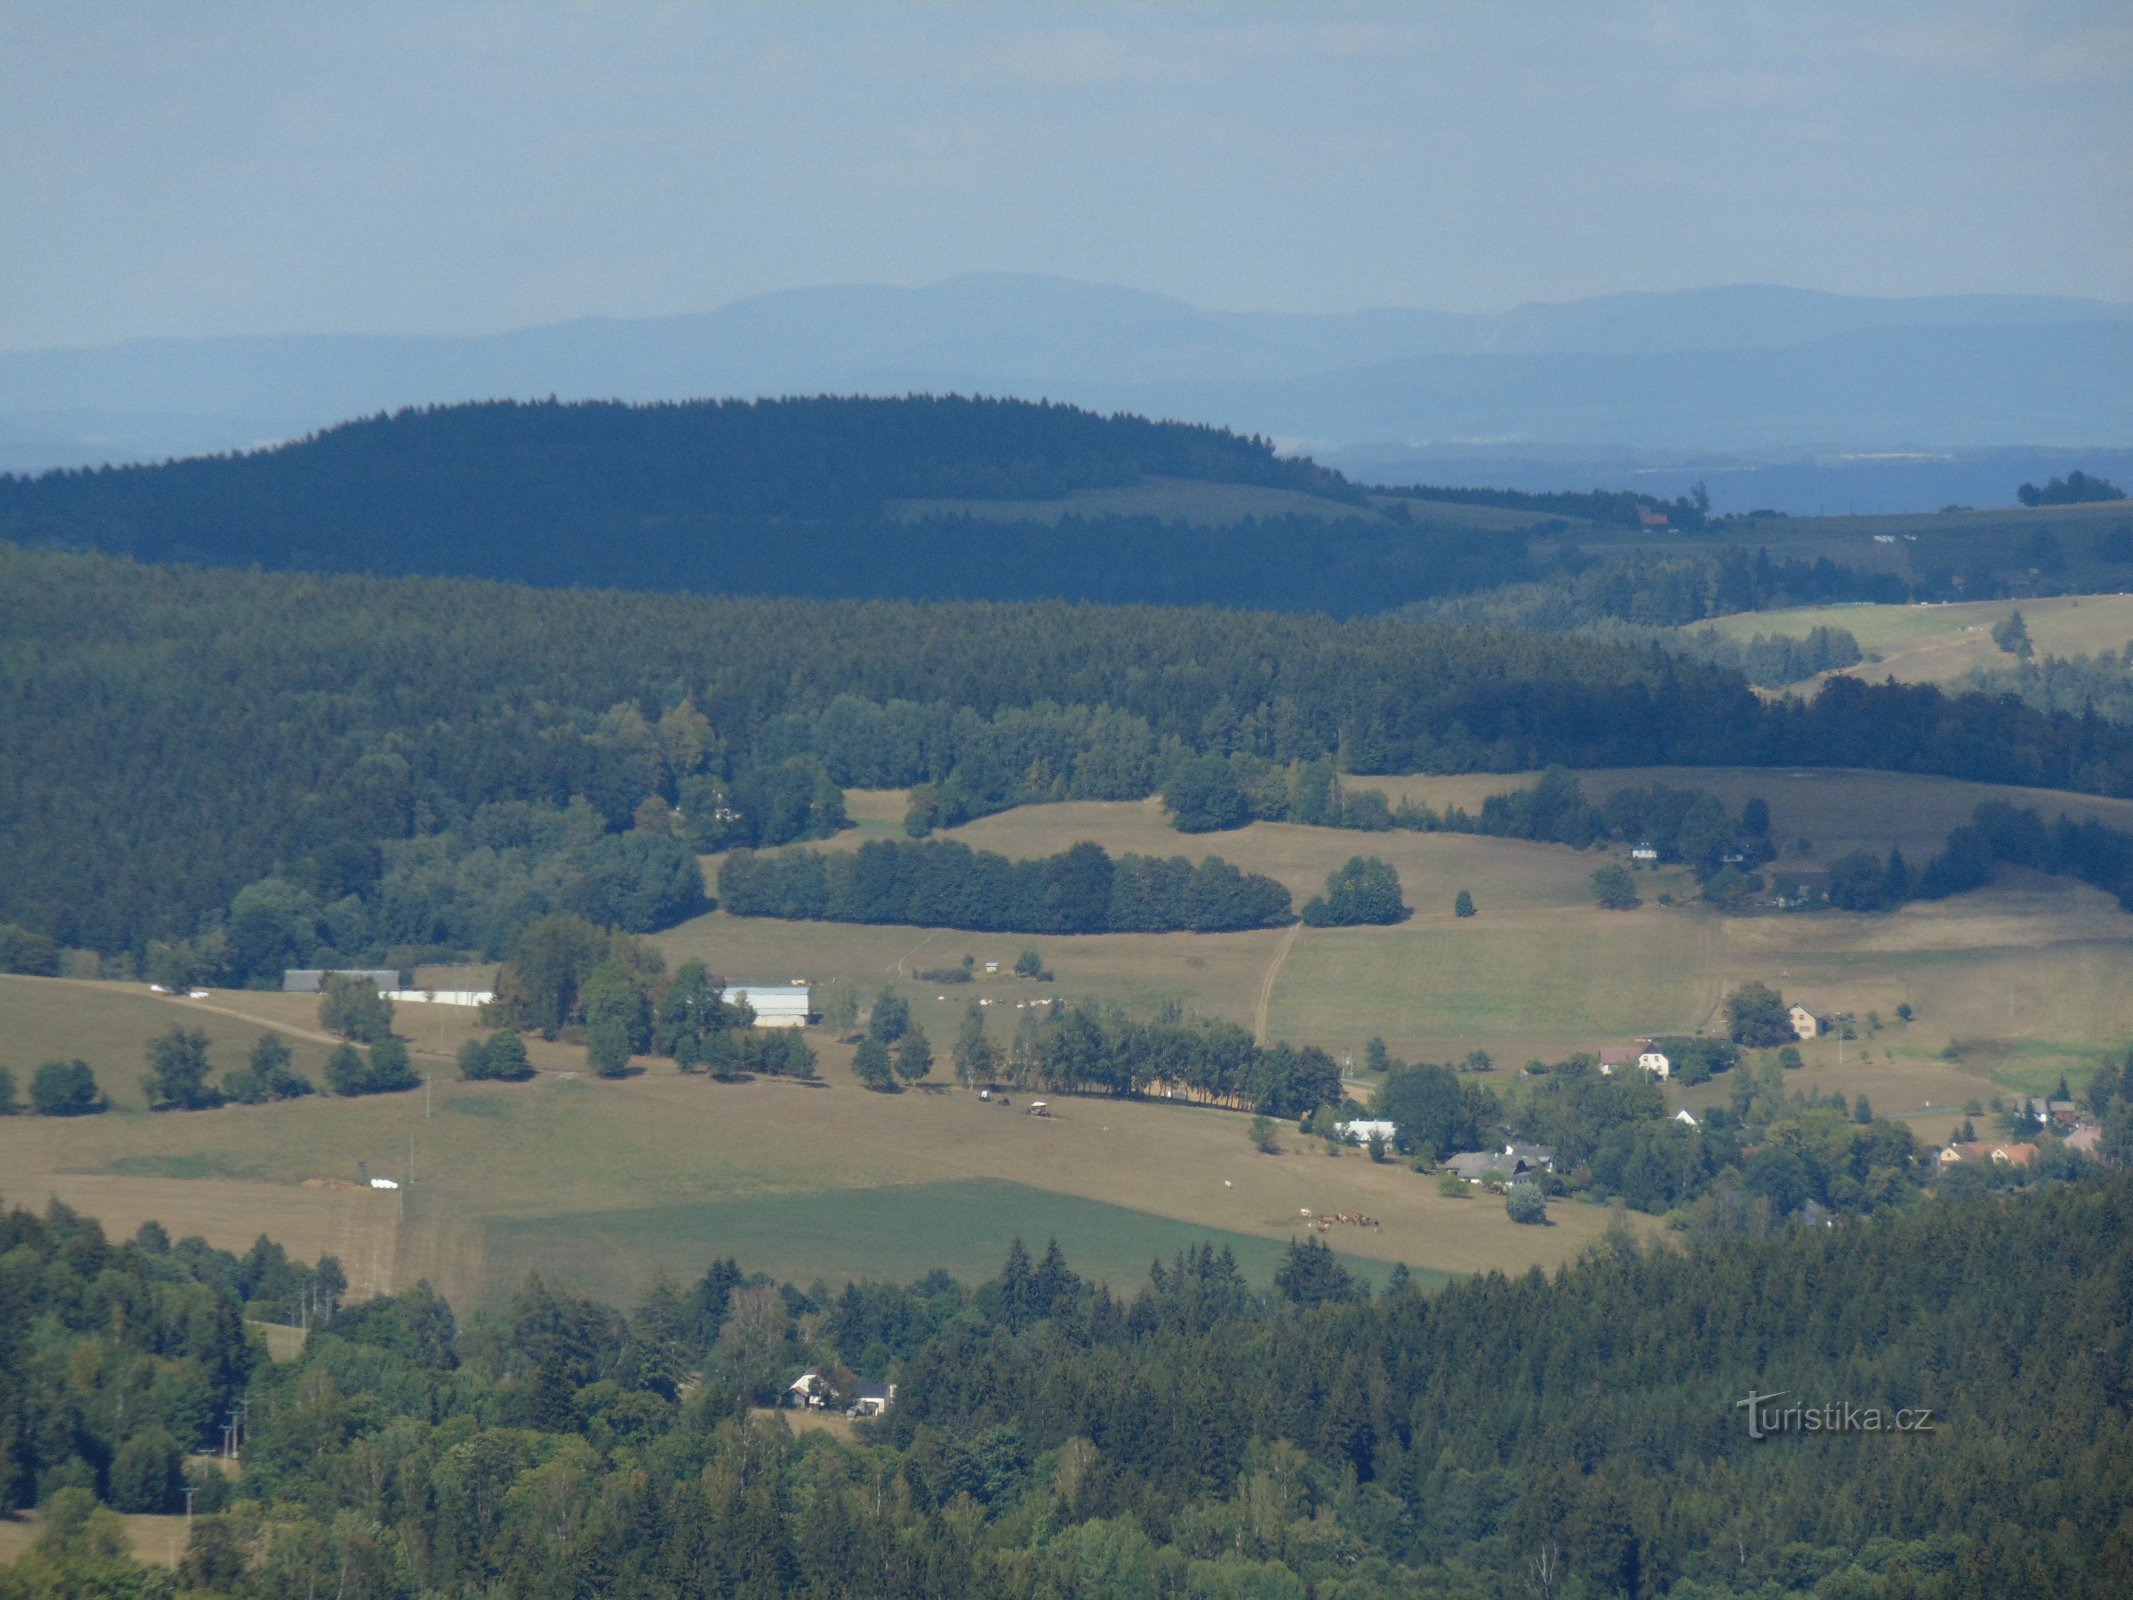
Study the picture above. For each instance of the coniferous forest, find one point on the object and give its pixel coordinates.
(416, 766)
(1197, 1436)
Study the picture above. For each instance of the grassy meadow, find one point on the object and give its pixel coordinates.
(611, 1184)
(1941, 643)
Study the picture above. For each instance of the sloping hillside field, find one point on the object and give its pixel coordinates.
(615, 1183)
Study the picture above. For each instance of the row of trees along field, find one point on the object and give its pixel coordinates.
(945, 884)
(1997, 834)
(354, 714)
(1199, 1436)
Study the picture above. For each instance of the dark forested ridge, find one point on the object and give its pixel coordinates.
(858, 498)
(765, 497)
(1205, 1438)
(174, 735)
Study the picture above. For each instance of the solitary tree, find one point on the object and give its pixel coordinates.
(353, 1008)
(840, 1010)
(1757, 1016)
(2012, 636)
(974, 1054)
(889, 1018)
(9, 1104)
(870, 1062)
(65, 1089)
(1525, 1203)
(1362, 891)
(1463, 906)
(607, 1047)
(267, 1075)
(1614, 890)
(914, 1054)
(1265, 1136)
(176, 1079)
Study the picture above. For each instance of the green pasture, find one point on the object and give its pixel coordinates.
(896, 1234)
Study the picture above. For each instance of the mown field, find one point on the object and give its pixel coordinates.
(1541, 972)
(1942, 643)
(1215, 505)
(610, 1184)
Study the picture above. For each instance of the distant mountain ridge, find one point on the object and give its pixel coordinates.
(1663, 370)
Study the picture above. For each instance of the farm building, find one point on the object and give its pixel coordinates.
(1362, 1130)
(1513, 1161)
(442, 997)
(312, 980)
(782, 1005)
(874, 1399)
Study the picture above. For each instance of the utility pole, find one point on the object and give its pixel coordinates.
(190, 1491)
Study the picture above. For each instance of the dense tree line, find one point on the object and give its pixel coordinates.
(1597, 592)
(1362, 891)
(2095, 854)
(116, 1360)
(1201, 1437)
(177, 735)
(2075, 489)
(942, 883)
(1775, 660)
(1084, 1048)
(2099, 685)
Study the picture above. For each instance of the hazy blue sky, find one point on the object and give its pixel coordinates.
(204, 168)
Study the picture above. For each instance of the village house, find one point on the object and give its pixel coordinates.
(1656, 1063)
(1613, 1056)
(1644, 850)
(2002, 1155)
(1805, 1024)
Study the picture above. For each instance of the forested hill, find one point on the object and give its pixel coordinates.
(174, 737)
(784, 496)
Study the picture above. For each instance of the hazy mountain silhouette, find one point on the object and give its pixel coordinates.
(1726, 368)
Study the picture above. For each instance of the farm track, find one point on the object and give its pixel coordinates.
(1266, 984)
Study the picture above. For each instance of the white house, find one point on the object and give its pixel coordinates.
(1805, 1024)
(874, 1399)
(1656, 1063)
(1644, 851)
(442, 997)
(783, 1005)
(1685, 1115)
(1362, 1130)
